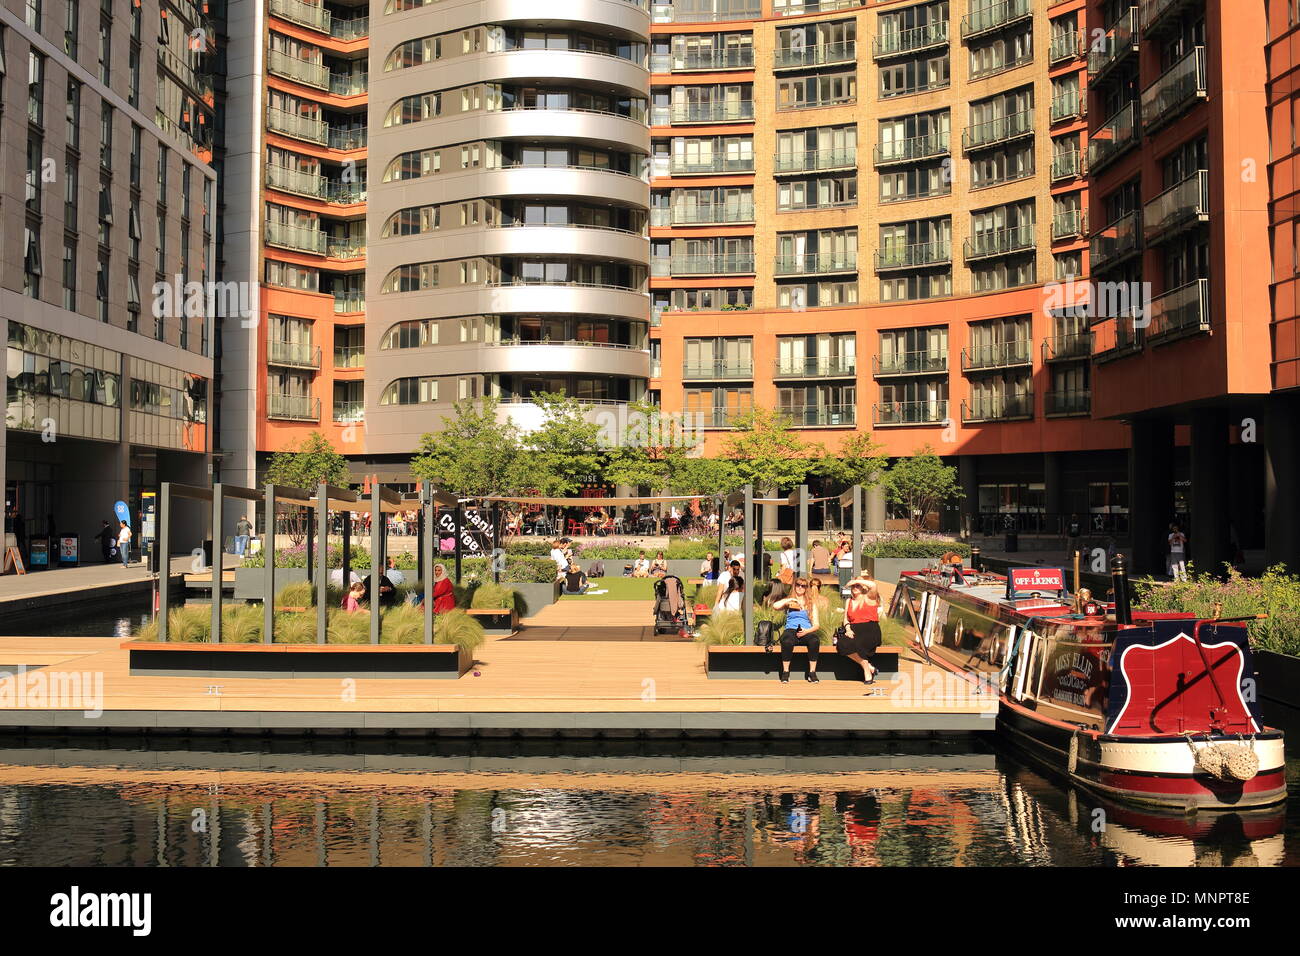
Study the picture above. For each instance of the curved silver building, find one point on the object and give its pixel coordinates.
(508, 208)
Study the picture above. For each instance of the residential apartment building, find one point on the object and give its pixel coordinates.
(1023, 232)
(107, 225)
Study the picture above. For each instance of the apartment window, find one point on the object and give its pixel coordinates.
(134, 232)
(133, 75)
(71, 180)
(914, 76)
(71, 27)
(286, 275)
(32, 261)
(1002, 52)
(133, 301)
(36, 88)
(101, 289)
(822, 193)
(162, 243)
(1068, 265)
(186, 171)
(105, 212)
(411, 391)
(136, 146)
(33, 175)
(804, 92)
(1002, 165)
(73, 114)
(411, 334)
(105, 44)
(33, 14)
(106, 137)
(921, 182)
(162, 173)
(69, 275)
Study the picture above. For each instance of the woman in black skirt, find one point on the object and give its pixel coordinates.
(861, 626)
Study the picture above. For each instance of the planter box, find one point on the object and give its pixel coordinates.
(535, 596)
(888, 569)
(395, 661)
(249, 582)
(496, 621)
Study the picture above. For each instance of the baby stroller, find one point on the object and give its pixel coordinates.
(670, 605)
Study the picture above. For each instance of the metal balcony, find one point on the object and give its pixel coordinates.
(293, 354)
(1070, 223)
(1068, 106)
(1116, 337)
(999, 242)
(1067, 165)
(703, 60)
(1177, 209)
(1064, 46)
(1156, 16)
(349, 84)
(702, 265)
(349, 413)
(1067, 348)
(290, 180)
(741, 111)
(1013, 354)
(354, 29)
(716, 164)
(738, 371)
(933, 34)
(720, 213)
(998, 408)
(1067, 402)
(909, 363)
(912, 149)
(1180, 86)
(667, 13)
(910, 413)
(820, 416)
(292, 408)
(995, 17)
(816, 263)
(298, 238)
(1180, 312)
(916, 255)
(347, 247)
(349, 356)
(817, 54)
(349, 302)
(1113, 138)
(817, 366)
(307, 72)
(1001, 130)
(314, 16)
(815, 160)
(306, 128)
(347, 138)
(1117, 242)
(1119, 43)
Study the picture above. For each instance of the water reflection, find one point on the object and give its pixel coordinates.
(381, 805)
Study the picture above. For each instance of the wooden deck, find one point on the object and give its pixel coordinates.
(514, 685)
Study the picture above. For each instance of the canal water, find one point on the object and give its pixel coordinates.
(201, 801)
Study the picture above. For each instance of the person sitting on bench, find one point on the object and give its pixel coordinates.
(800, 628)
(575, 582)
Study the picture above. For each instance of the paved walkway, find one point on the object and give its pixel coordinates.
(88, 577)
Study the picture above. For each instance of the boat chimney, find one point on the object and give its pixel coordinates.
(975, 559)
(1119, 581)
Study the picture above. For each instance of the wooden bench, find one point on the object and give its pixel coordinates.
(496, 621)
(330, 661)
(751, 662)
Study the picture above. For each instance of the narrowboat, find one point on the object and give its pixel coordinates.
(1148, 709)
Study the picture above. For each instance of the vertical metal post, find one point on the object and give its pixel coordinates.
(421, 530)
(218, 561)
(747, 599)
(376, 558)
(164, 557)
(495, 516)
(857, 530)
(756, 556)
(722, 531)
(426, 577)
(322, 560)
(347, 550)
(801, 534)
(268, 585)
(460, 521)
(311, 544)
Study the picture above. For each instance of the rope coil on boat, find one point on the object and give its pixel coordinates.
(1226, 761)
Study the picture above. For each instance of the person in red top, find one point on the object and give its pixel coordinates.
(862, 635)
(444, 595)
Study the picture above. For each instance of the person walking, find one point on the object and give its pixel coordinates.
(107, 538)
(243, 531)
(124, 543)
(1177, 554)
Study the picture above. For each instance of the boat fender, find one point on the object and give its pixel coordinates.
(1073, 761)
(1225, 761)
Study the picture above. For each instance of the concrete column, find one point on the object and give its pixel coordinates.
(1281, 439)
(968, 478)
(875, 509)
(1151, 492)
(1208, 538)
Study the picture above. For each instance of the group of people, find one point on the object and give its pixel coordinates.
(803, 602)
(357, 597)
(643, 567)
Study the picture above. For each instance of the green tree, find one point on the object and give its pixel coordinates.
(305, 466)
(859, 461)
(654, 451)
(565, 451)
(920, 485)
(475, 454)
(766, 452)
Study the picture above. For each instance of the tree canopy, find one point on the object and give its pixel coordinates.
(475, 454)
(920, 485)
(765, 451)
(308, 463)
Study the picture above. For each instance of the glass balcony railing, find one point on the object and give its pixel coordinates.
(1066, 165)
(816, 160)
(1067, 106)
(817, 366)
(718, 370)
(345, 247)
(668, 13)
(1120, 42)
(349, 412)
(1113, 138)
(1068, 223)
(819, 416)
(311, 15)
(1067, 402)
(1117, 241)
(1000, 130)
(898, 42)
(998, 408)
(912, 148)
(292, 68)
(910, 413)
(299, 238)
(353, 29)
(306, 128)
(296, 354)
(1064, 46)
(995, 17)
(349, 84)
(923, 191)
(1178, 208)
(300, 183)
(293, 408)
(347, 137)
(914, 256)
(1000, 242)
(739, 111)
(741, 58)
(703, 166)
(815, 54)
(794, 8)
(1179, 312)
(349, 302)
(702, 215)
(349, 356)
(718, 417)
(702, 265)
(1152, 14)
(816, 263)
(1067, 348)
(909, 363)
(1011, 354)
(1178, 88)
